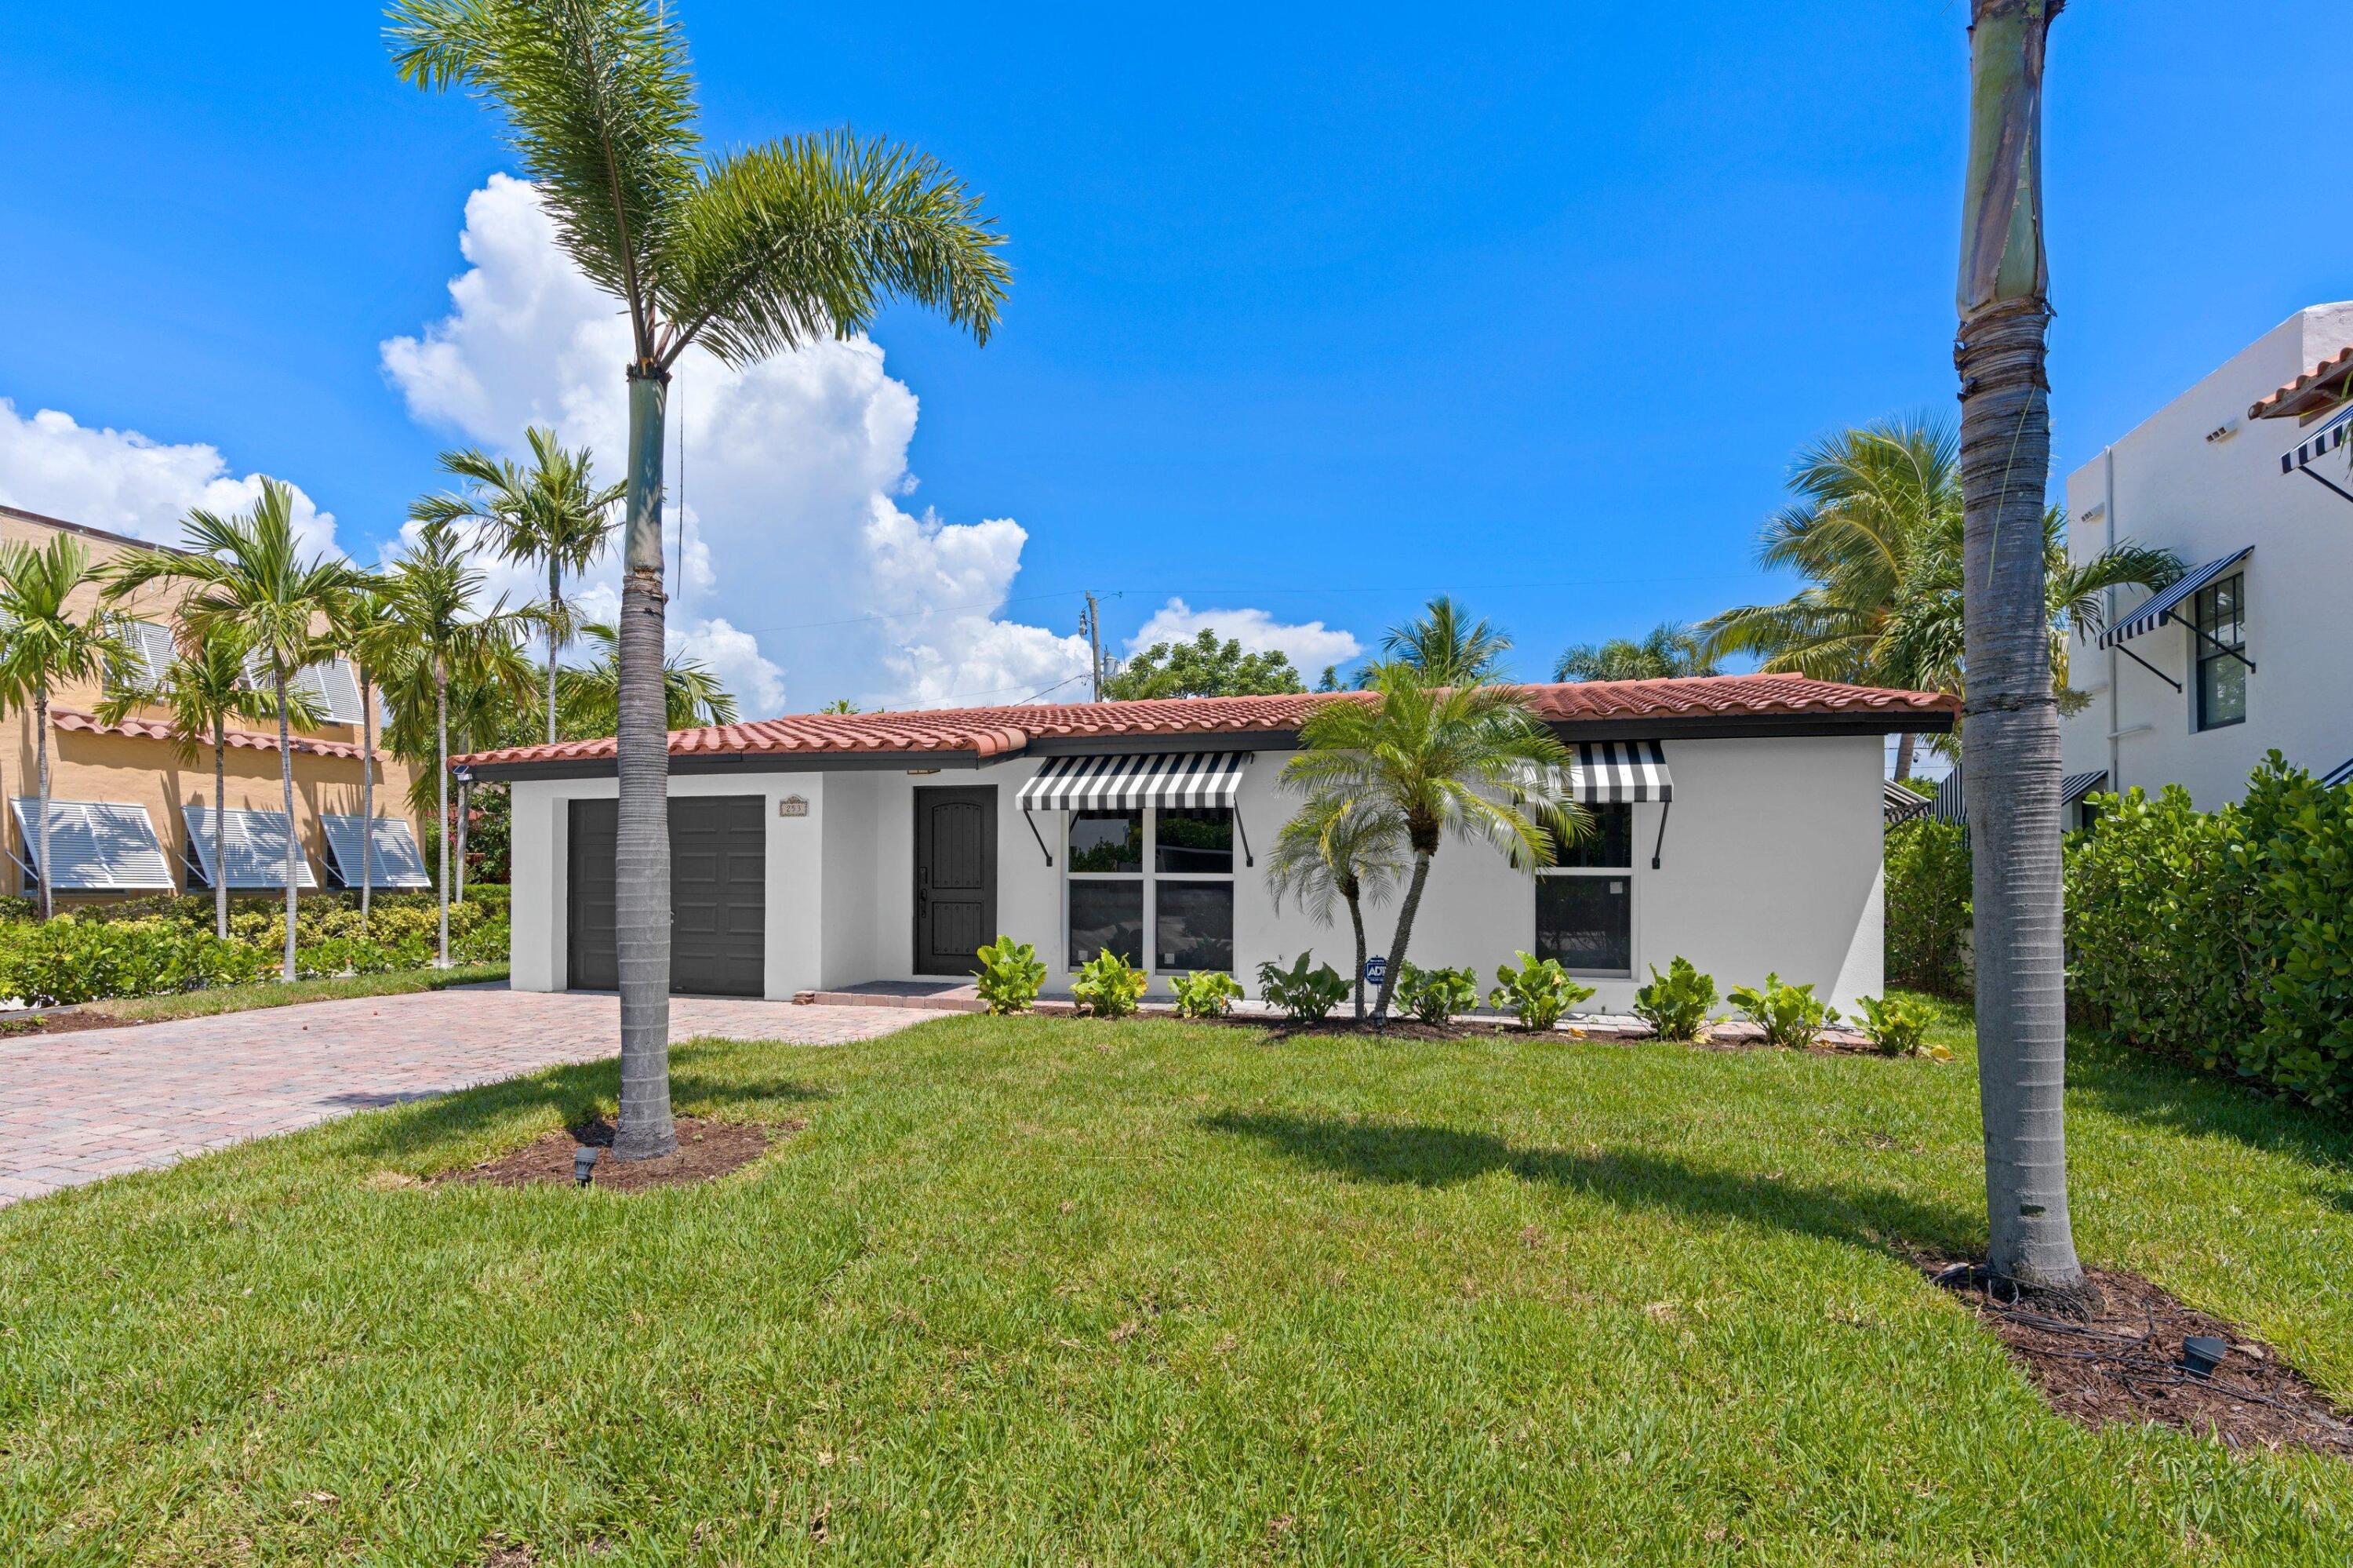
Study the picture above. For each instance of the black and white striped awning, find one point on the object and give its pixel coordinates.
(2343, 774)
(1952, 805)
(2324, 438)
(2075, 786)
(1901, 802)
(1619, 773)
(1165, 780)
(2161, 608)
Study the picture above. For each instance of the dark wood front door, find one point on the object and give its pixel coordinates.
(718, 891)
(955, 877)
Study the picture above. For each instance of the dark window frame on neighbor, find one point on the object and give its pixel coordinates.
(1593, 885)
(2219, 667)
(1194, 865)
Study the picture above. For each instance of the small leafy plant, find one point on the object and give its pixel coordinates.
(1305, 995)
(1434, 996)
(1537, 992)
(1900, 1028)
(1677, 1002)
(1010, 976)
(1207, 993)
(1108, 986)
(1790, 1014)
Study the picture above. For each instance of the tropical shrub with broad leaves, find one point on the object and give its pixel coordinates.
(1306, 991)
(59, 962)
(1435, 996)
(1791, 1016)
(1537, 992)
(1928, 905)
(1899, 1028)
(1676, 1004)
(1108, 986)
(1207, 993)
(1010, 976)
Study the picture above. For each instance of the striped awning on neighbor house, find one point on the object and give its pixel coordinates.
(1129, 782)
(2161, 605)
(1901, 802)
(1951, 804)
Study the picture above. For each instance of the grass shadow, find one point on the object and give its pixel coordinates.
(1426, 1156)
(2138, 1086)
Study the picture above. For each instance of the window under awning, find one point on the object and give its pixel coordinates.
(254, 846)
(393, 858)
(2161, 605)
(96, 846)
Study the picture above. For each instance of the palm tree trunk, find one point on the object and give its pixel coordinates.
(554, 610)
(442, 795)
(367, 797)
(220, 827)
(2011, 743)
(1905, 749)
(1404, 931)
(41, 759)
(1356, 919)
(462, 796)
(641, 851)
(286, 780)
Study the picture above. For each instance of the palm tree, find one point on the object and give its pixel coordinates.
(377, 643)
(206, 685)
(246, 577)
(50, 639)
(433, 595)
(1671, 652)
(590, 694)
(2012, 747)
(1444, 647)
(1335, 848)
(1469, 760)
(553, 514)
(747, 253)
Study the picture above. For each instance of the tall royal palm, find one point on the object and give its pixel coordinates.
(435, 599)
(57, 630)
(2011, 743)
(748, 254)
(378, 645)
(552, 514)
(248, 577)
(589, 695)
(207, 684)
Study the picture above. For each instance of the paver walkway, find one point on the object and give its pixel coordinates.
(82, 1106)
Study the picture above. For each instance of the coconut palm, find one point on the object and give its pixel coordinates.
(2011, 748)
(1670, 652)
(589, 695)
(552, 514)
(1444, 647)
(207, 684)
(435, 599)
(1337, 848)
(57, 629)
(748, 254)
(1469, 760)
(247, 576)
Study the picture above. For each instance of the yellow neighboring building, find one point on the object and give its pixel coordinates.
(103, 776)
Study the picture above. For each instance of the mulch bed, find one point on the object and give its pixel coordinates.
(2123, 1365)
(706, 1151)
(64, 1021)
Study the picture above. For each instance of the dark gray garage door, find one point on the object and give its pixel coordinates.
(718, 896)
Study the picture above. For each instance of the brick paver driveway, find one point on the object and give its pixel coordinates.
(80, 1107)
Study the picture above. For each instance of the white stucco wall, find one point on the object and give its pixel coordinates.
(2165, 483)
(1771, 862)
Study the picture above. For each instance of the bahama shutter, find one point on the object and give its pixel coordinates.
(254, 848)
(393, 861)
(96, 846)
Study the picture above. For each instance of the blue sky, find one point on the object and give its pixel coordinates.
(1315, 312)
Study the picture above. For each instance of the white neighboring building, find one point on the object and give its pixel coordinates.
(1739, 821)
(2246, 476)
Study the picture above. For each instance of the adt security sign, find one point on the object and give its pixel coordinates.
(1376, 969)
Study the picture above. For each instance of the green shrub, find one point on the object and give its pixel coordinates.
(1790, 1014)
(1305, 995)
(1108, 986)
(1537, 992)
(343, 956)
(2297, 852)
(492, 942)
(1435, 996)
(58, 962)
(1010, 976)
(1899, 1028)
(1207, 993)
(1676, 1003)
(1928, 906)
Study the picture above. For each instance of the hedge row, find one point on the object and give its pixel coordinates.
(1928, 906)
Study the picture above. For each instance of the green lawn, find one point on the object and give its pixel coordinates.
(1060, 1292)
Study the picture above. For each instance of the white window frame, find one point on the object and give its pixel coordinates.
(1633, 904)
(1149, 875)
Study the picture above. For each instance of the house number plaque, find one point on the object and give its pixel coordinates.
(792, 806)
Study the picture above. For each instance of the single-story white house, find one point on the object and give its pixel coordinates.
(1738, 826)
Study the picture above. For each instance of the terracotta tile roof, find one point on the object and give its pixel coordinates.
(243, 739)
(2325, 386)
(1003, 731)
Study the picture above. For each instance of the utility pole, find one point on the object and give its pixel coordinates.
(1090, 623)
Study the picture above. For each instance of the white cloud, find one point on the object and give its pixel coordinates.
(797, 551)
(122, 482)
(1311, 644)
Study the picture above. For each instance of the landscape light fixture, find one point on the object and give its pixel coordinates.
(584, 1166)
(2201, 1353)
